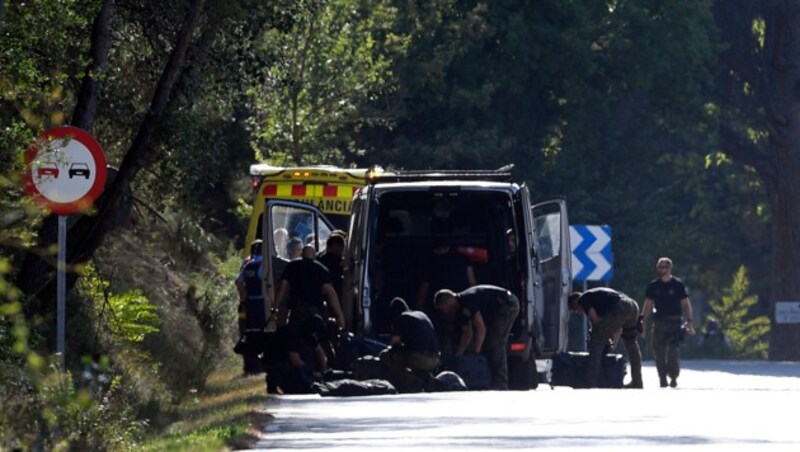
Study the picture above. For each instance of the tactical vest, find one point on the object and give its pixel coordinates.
(252, 281)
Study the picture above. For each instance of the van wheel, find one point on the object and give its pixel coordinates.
(522, 374)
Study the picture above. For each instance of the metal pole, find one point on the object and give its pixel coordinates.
(61, 285)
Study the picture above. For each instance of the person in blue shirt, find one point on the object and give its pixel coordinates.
(252, 309)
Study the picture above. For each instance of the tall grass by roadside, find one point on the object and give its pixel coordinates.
(226, 415)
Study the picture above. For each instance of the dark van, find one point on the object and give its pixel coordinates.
(397, 220)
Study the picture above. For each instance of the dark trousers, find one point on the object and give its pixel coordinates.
(622, 318)
(666, 346)
(495, 345)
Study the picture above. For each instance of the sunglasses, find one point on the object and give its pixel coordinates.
(662, 266)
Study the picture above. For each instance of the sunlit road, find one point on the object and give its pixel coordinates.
(719, 406)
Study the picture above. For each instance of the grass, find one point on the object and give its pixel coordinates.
(226, 415)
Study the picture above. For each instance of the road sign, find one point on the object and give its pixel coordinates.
(592, 259)
(66, 170)
(787, 312)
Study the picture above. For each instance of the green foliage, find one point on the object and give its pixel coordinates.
(44, 44)
(129, 316)
(77, 418)
(42, 407)
(333, 58)
(748, 334)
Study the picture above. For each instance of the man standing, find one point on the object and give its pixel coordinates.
(611, 314)
(252, 311)
(307, 284)
(670, 299)
(413, 346)
(491, 311)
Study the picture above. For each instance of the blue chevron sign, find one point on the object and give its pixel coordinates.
(592, 259)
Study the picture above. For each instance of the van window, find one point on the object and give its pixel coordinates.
(548, 236)
(292, 225)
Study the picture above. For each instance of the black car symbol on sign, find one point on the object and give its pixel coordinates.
(79, 169)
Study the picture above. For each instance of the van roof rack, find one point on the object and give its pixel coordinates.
(502, 174)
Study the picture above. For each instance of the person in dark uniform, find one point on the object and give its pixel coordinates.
(611, 314)
(444, 270)
(252, 310)
(490, 311)
(668, 295)
(413, 346)
(307, 285)
(295, 358)
(331, 258)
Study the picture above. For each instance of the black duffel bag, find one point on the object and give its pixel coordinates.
(251, 342)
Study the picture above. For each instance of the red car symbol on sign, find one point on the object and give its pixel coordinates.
(48, 169)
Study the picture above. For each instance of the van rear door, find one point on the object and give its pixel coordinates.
(282, 222)
(553, 262)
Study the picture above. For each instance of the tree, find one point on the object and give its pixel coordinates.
(747, 333)
(333, 57)
(760, 128)
(89, 230)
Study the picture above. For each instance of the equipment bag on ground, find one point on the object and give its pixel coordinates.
(569, 368)
(474, 370)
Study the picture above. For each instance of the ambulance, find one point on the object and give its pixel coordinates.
(328, 188)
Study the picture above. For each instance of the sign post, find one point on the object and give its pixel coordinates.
(66, 172)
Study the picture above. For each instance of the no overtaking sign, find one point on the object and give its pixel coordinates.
(66, 170)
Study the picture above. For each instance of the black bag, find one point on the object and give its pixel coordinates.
(569, 369)
(252, 342)
(474, 370)
(348, 387)
(352, 347)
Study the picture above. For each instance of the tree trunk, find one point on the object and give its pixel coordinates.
(86, 107)
(782, 76)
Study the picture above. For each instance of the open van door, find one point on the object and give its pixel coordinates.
(283, 224)
(554, 265)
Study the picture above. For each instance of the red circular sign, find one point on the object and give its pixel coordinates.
(66, 170)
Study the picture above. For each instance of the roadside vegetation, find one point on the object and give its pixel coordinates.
(656, 118)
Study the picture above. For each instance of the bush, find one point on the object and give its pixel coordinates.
(748, 334)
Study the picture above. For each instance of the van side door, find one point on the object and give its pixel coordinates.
(554, 264)
(284, 224)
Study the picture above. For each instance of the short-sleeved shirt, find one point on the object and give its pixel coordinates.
(415, 330)
(250, 276)
(667, 297)
(483, 298)
(306, 278)
(602, 299)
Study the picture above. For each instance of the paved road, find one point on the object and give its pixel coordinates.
(719, 406)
